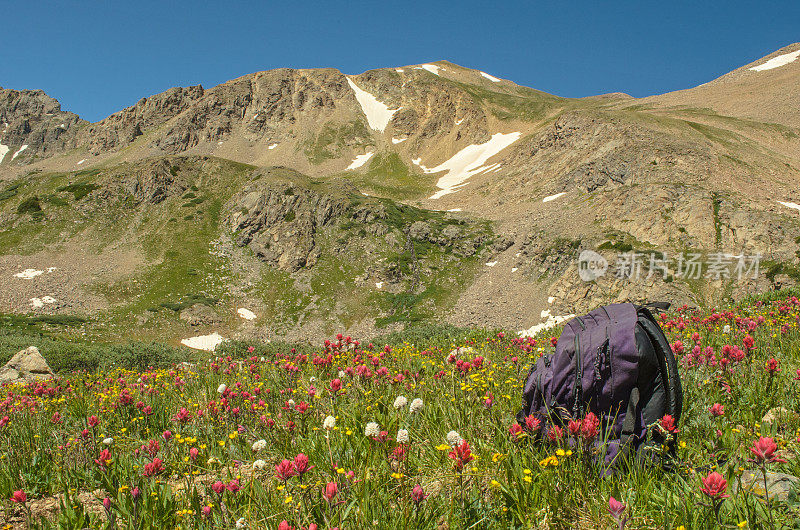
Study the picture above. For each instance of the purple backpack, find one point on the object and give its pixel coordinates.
(614, 362)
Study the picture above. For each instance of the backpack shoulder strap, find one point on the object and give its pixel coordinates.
(667, 362)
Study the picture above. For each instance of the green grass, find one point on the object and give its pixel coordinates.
(190, 299)
(10, 191)
(79, 190)
(333, 138)
(528, 105)
(387, 176)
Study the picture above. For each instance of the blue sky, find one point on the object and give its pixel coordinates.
(98, 57)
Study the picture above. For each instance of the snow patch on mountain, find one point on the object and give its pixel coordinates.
(790, 205)
(204, 342)
(29, 274)
(467, 162)
(780, 60)
(490, 77)
(272, 146)
(432, 68)
(3, 151)
(21, 149)
(246, 314)
(398, 140)
(360, 160)
(553, 197)
(378, 115)
(550, 322)
(38, 303)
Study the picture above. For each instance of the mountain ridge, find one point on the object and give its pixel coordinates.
(441, 152)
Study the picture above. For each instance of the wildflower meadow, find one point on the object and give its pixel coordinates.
(404, 435)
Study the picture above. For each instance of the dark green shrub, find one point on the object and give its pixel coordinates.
(30, 205)
(189, 300)
(141, 355)
(79, 191)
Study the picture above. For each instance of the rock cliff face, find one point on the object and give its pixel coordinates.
(34, 119)
(280, 222)
(124, 127)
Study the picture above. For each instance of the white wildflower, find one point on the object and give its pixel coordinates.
(372, 429)
(290, 403)
(329, 423)
(726, 329)
(108, 441)
(260, 445)
(400, 402)
(341, 374)
(259, 465)
(416, 406)
(312, 380)
(402, 436)
(240, 523)
(221, 388)
(454, 439)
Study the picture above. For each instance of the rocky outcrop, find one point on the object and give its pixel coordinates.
(200, 315)
(125, 126)
(154, 182)
(262, 106)
(34, 119)
(27, 365)
(280, 221)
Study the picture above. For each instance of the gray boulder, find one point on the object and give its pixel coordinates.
(779, 485)
(26, 365)
(200, 315)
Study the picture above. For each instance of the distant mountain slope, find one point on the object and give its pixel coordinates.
(766, 90)
(400, 194)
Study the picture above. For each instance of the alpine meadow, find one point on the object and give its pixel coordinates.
(418, 297)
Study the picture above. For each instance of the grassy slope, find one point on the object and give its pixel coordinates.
(177, 235)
